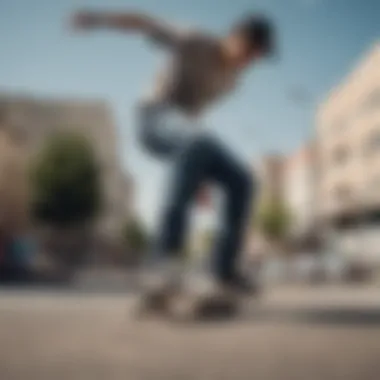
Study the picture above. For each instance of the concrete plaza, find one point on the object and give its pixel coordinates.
(291, 334)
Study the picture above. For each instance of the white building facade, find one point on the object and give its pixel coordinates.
(299, 190)
(348, 135)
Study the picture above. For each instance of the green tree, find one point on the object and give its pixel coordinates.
(273, 221)
(66, 182)
(66, 198)
(136, 240)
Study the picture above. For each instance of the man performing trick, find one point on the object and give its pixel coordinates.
(201, 70)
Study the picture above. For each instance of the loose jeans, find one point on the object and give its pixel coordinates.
(197, 160)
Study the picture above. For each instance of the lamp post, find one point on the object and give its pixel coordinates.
(304, 100)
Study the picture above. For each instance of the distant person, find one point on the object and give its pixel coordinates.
(202, 69)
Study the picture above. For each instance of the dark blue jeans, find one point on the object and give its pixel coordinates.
(200, 160)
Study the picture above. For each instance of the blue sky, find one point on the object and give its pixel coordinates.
(319, 40)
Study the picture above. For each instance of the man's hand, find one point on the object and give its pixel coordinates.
(160, 31)
(123, 21)
(85, 20)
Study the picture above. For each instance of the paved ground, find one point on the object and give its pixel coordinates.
(291, 335)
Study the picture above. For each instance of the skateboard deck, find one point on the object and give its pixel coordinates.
(197, 298)
(186, 305)
(207, 306)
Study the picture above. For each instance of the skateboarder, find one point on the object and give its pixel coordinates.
(202, 68)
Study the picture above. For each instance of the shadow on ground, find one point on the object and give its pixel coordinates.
(334, 316)
(327, 316)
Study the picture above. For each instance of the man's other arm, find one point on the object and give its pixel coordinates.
(158, 30)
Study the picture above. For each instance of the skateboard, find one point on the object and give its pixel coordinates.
(190, 301)
(186, 305)
(205, 306)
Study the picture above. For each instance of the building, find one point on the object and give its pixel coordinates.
(270, 176)
(300, 191)
(13, 184)
(30, 120)
(348, 137)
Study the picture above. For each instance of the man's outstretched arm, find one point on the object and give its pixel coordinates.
(129, 22)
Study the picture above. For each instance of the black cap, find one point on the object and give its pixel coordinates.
(260, 32)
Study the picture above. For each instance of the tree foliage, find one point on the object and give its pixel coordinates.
(274, 220)
(135, 236)
(14, 186)
(66, 182)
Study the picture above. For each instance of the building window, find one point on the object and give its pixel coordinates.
(341, 155)
(373, 100)
(372, 144)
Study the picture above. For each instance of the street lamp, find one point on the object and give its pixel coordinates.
(300, 97)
